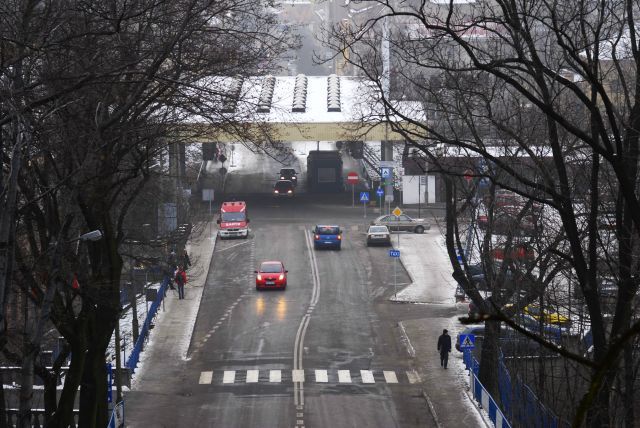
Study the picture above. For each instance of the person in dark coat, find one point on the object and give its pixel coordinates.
(444, 346)
(181, 280)
(186, 261)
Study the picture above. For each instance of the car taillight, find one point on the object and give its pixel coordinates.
(289, 191)
(281, 277)
(317, 237)
(259, 277)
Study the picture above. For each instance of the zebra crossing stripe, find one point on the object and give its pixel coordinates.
(344, 376)
(206, 377)
(413, 376)
(390, 376)
(252, 376)
(229, 376)
(297, 375)
(367, 376)
(322, 376)
(275, 376)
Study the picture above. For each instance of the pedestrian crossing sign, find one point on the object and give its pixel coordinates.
(467, 341)
(364, 196)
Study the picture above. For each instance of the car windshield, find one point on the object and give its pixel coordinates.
(283, 185)
(327, 230)
(378, 229)
(271, 267)
(237, 216)
(287, 172)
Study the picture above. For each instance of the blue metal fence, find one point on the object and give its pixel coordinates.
(518, 402)
(481, 395)
(132, 362)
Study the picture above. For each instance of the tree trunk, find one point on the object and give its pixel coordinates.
(489, 357)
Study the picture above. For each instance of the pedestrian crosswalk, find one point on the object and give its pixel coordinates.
(237, 377)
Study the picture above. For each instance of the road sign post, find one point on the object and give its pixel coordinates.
(380, 192)
(364, 198)
(396, 255)
(352, 178)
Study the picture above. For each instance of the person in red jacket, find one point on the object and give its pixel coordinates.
(181, 280)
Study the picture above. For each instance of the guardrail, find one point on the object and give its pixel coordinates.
(481, 395)
(132, 362)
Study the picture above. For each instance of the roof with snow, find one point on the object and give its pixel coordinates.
(298, 108)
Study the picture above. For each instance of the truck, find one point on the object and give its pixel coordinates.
(233, 221)
(324, 171)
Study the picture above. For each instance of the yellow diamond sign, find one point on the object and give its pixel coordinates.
(396, 212)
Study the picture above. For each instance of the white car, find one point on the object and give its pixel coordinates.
(378, 235)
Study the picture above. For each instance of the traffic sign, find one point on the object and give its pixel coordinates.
(397, 212)
(394, 253)
(388, 198)
(379, 192)
(468, 175)
(386, 172)
(352, 178)
(364, 196)
(467, 341)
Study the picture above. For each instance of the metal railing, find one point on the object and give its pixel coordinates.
(132, 362)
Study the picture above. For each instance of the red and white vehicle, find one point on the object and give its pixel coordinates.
(233, 221)
(271, 274)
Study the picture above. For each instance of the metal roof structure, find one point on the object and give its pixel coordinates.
(301, 108)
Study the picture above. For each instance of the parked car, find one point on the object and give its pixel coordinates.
(284, 188)
(289, 174)
(402, 223)
(327, 236)
(378, 235)
(271, 275)
(548, 316)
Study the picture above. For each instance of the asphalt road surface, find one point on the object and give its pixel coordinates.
(325, 352)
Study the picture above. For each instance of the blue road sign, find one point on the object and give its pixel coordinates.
(364, 196)
(467, 341)
(379, 192)
(386, 172)
(394, 253)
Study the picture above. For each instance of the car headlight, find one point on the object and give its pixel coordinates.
(259, 277)
(289, 191)
(281, 277)
(281, 178)
(275, 191)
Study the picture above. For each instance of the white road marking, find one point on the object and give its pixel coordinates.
(206, 377)
(367, 376)
(322, 376)
(275, 376)
(344, 376)
(297, 375)
(252, 376)
(390, 376)
(233, 246)
(229, 376)
(413, 376)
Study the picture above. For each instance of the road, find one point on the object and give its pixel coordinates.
(333, 327)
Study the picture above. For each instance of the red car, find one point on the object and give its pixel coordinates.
(271, 274)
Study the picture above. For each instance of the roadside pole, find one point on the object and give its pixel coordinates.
(353, 195)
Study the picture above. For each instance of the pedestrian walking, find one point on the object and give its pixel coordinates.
(444, 346)
(181, 280)
(186, 261)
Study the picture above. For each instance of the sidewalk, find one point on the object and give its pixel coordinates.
(169, 340)
(425, 259)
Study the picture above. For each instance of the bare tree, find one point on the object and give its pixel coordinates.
(554, 82)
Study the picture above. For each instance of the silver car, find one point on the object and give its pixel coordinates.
(402, 222)
(378, 235)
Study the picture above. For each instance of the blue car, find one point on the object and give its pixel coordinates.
(327, 237)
